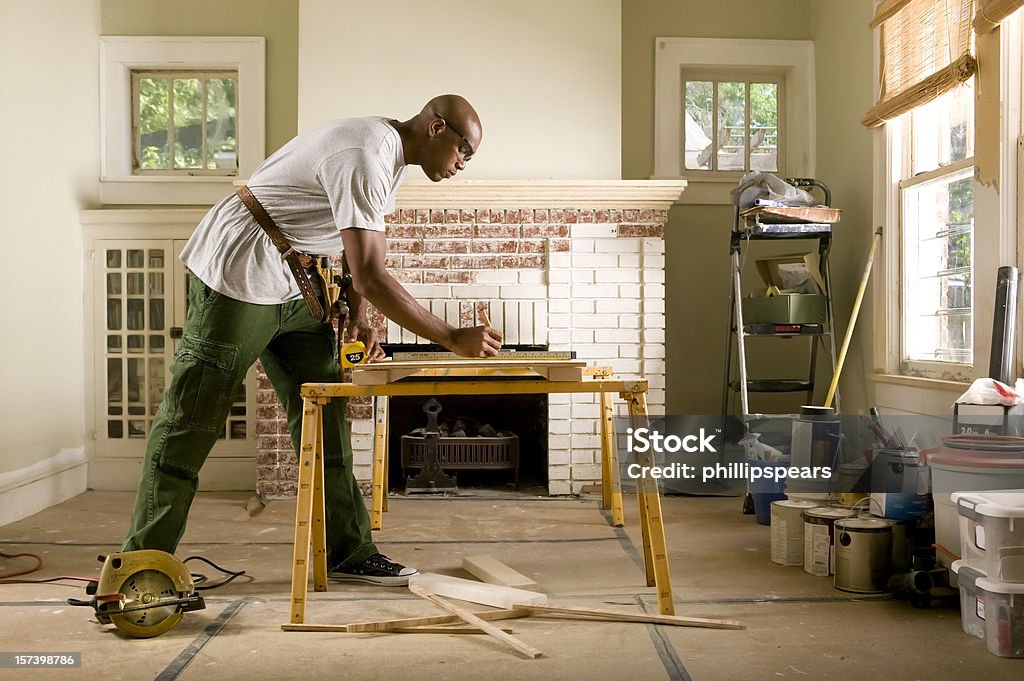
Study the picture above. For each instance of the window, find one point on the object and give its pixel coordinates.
(730, 124)
(179, 116)
(184, 122)
(724, 107)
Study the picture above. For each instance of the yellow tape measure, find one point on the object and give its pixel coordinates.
(352, 354)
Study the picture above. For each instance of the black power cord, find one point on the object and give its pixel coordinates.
(202, 579)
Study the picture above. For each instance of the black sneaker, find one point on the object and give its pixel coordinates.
(376, 569)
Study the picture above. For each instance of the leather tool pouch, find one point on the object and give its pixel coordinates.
(332, 305)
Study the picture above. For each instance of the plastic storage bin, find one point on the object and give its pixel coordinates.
(970, 619)
(992, 532)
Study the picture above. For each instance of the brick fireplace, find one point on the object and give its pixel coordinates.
(573, 265)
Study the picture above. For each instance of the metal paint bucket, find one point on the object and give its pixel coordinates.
(788, 531)
(863, 555)
(819, 539)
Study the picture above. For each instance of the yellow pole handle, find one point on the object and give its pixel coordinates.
(853, 318)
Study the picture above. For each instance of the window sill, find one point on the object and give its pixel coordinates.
(165, 190)
(919, 382)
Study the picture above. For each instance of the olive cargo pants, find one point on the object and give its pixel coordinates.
(223, 337)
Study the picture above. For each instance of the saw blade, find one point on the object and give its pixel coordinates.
(143, 592)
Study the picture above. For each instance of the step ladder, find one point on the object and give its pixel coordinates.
(754, 226)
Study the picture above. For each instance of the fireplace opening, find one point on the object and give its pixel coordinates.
(492, 442)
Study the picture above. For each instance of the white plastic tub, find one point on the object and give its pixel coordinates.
(992, 532)
(971, 616)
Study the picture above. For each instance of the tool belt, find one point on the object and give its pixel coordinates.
(334, 305)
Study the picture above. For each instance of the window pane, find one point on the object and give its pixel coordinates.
(698, 119)
(764, 126)
(732, 128)
(154, 119)
(220, 124)
(188, 122)
(938, 232)
(943, 130)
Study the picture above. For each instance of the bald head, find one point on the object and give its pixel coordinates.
(459, 113)
(442, 137)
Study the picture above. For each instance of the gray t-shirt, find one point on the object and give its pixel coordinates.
(339, 175)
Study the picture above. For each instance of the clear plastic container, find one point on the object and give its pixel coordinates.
(992, 532)
(972, 622)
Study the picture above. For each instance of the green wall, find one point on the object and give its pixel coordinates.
(697, 236)
(276, 20)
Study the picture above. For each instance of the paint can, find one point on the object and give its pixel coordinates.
(819, 539)
(788, 531)
(863, 555)
(814, 443)
(850, 487)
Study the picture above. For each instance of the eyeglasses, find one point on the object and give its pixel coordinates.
(465, 156)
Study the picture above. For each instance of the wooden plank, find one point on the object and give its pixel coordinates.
(526, 650)
(389, 625)
(472, 388)
(341, 629)
(616, 616)
(491, 570)
(304, 510)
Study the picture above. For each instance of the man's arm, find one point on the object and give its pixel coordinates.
(364, 253)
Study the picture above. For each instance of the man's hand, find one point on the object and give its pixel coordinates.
(476, 341)
(361, 331)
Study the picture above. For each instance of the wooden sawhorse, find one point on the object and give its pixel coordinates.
(310, 530)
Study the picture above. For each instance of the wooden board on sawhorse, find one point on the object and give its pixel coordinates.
(388, 371)
(310, 529)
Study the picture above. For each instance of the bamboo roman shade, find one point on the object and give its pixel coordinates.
(991, 12)
(925, 50)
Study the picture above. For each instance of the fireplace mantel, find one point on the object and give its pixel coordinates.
(540, 193)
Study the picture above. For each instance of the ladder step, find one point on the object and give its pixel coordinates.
(784, 330)
(776, 386)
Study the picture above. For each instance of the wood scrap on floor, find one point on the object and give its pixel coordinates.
(491, 570)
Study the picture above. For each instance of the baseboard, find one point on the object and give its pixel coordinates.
(41, 485)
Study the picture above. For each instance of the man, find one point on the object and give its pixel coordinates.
(328, 191)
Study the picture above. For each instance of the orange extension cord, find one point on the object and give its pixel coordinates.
(7, 577)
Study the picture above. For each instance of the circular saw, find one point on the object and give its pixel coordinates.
(143, 593)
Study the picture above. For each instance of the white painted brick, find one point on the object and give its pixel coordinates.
(559, 408)
(478, 292)
(593, 351)
(654, 366)
(532, 277)
(596, 291)
(652, 261)
(558, 487)
(560, 305)
(559, 442)
(654, 245)
(422, 291)
(656, 397)
(562, 426)
(593, 231)
(655, 381)
(654, 335)
(597, 321)
(619, 306)
(619, 246)
(524, 292)
(654, 306)
(559, 261)
(362, 442)
(582, 336)
(629, 367)
(600, 260)
(583, 306)
(654, 321)
(559, 276)
(654, 276)
(559, 457)
(560, 472)
(497, 277)
(626, 335)
(654, 291)
(583, 427)
(581, 457)
(654, 351)
(584, 472)
(559, 321)
(628, 291)
(628, 351)
(581, 246)
(579, 441)
(583, 276)
(558, 336)
(362, 427)
(585, 398)
(618, 276)
(630, 261)
(394, 332)
(585, 411)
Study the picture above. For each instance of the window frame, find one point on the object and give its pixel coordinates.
(120, 56)
(793, 59)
